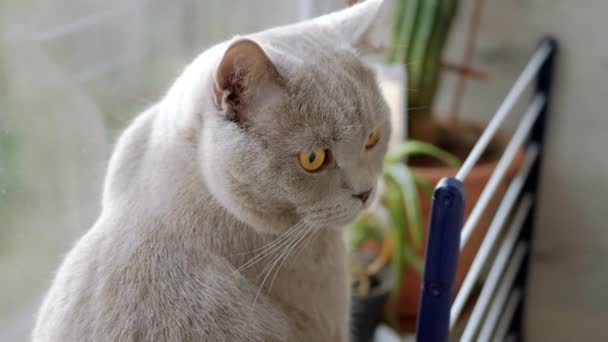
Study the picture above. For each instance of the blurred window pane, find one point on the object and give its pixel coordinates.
(72, 75)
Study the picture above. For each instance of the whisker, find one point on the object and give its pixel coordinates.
(293, 241)
(271, 247)
(280, 251)
(308, 232)
(305, 239)
(310, 238)
(417, 108)
(273, 242)
(316, 231)
(266, 253)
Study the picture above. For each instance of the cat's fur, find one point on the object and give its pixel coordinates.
(206, 178)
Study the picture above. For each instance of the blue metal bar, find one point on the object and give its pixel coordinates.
(442, 249)
(544, 86)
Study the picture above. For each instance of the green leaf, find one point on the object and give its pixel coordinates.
(418, 51)
(423, 184)
(414, 147)
(394, 202)
(403, 30)
(373, 219)
(411, 258)
(363, 229)
(432, 68)
(396, 51)
(402, 176)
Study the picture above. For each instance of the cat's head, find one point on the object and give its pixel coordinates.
(299, 127)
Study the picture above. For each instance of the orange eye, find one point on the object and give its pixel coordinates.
(372, 139)
(312, 161)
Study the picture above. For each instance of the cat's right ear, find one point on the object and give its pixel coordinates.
(361, 25)
(245, 81)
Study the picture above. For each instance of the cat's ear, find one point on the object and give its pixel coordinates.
(245, 81)
(361, 25)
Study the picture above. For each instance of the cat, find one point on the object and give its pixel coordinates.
(223, 204)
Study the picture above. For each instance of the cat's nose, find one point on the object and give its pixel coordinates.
(363, 196)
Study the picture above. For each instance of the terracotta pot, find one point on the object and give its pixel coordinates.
(407, 307)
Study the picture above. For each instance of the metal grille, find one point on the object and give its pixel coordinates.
(497, 311)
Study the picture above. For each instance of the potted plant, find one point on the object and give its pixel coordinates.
(390, 236)
(419, 34)
(371, 285)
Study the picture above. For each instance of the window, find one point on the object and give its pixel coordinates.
(72, 75)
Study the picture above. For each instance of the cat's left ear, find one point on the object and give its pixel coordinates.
(361, 25)
(246, 81)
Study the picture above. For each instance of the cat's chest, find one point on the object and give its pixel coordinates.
(312, 287)
(308, 280)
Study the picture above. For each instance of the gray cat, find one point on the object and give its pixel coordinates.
(223, 203)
